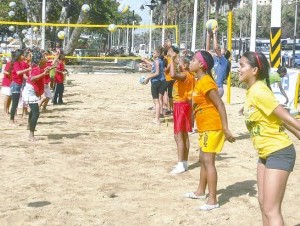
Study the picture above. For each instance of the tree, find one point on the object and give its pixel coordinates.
(58, 11)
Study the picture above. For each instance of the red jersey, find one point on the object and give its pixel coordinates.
(47, 79)
(37, 84)
(59, 77)
(6, 81)
(18, 66)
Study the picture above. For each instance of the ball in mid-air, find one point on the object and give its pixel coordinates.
(85, 8)
(112, 27)
(11, 28)
(123, 8)
(61, 35)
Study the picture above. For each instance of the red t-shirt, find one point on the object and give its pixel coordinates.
(59, 77)
(37, 84)
(25, 65)
(47, 79)
(6, 81)
(18, 66)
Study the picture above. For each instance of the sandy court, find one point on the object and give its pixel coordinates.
(100, 161)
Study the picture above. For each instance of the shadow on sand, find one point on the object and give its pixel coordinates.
(66, 135)
(237, 189)
(38, 204)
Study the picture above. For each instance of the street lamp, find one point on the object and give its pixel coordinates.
(152, 5)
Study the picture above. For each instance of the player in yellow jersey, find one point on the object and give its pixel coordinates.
(266, 121)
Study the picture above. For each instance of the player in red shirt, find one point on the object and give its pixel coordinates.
(59, 79)
(47, 93)
(34, 89)
(5, 90)
(17, 71)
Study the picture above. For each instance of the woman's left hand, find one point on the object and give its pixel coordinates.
(229, 136)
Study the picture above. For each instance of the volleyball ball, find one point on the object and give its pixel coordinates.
(112, 27)
(12, 4)
(123, 8)
(11, 13)
(85, 8)
(142, 80)
(11, 28)
(35, 29)
(61, 35)
(211, 25)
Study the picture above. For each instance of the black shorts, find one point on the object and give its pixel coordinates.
(283, 159)
(155, 89)
(170, 88)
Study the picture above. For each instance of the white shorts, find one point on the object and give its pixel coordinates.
(47, 92)
(6, 90)
(29, 96)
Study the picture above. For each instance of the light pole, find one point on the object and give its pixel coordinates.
(152, 5)
(193, 46)
(43, 21)
(295, 32)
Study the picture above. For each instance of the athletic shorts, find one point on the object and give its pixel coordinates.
(170, 88)
(182, 116)
(212, 141)
(283, 159)
(47, 92)
(164, 87)
(29, 95)
(15, 88)
(6, 90)
(156, 88)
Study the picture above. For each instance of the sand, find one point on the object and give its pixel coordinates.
(100, 161)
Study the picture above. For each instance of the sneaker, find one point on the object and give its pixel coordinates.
(177, 170)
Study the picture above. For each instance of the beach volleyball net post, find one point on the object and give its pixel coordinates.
(96, 41)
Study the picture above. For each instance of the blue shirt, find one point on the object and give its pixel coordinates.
(161, 75)
(220, 67)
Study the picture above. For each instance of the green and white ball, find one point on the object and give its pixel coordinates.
(85, 8)
(112, 27)
(211, 25)
(11, 28)
(12, 4)
(61, 35)
(123, 8)
(11, 13)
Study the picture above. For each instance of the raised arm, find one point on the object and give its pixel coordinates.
(215, 41)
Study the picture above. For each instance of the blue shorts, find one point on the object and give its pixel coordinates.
(15, 88)
(283, 159)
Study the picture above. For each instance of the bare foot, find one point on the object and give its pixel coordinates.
(156, 122)
(32, 138)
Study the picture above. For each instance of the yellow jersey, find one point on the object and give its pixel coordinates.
(266, 130)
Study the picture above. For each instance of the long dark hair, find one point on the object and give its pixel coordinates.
(259, 60)
(15, 56)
